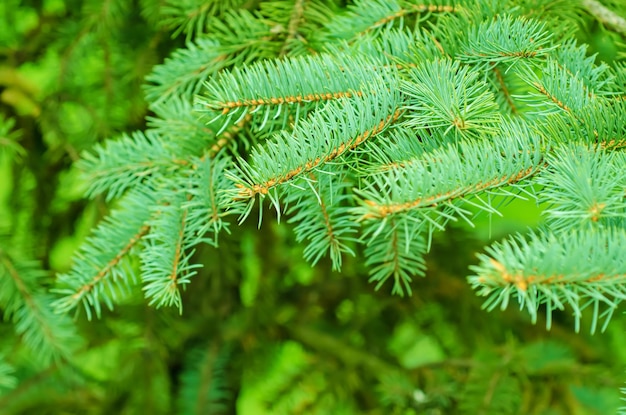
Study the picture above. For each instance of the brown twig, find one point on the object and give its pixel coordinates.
(606, 16)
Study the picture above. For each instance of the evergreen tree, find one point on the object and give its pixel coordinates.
(359, 137)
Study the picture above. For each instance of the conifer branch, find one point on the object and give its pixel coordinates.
(380, 211)
(444, 95)
(432, 182)
(588, 272)
(573, 59)
(295, 19)
(402, 148)
(399, 48)
(182, 74)
(193, 208)
(121, 232)
(206, 200)
(505, 90)
(613, 144)
(551, 97)
(602, 125)
(204, 381)
(245, 36)
(584, 188)
(120, 165)
(105, 271)
(408, 9)
(181, 133)
(269, 86)
(343, 126)
(300, 108)
(395, 249)
(25, 294)
(165, 265)
(334, 153)
(322, 217)
(192, 17)
(365, 17)
(253, 103)
(228, 136)
(45, 334)
(506, 40)
(561, 90)
(368, 125)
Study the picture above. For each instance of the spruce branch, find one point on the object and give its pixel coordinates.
(584, 188)
(561, 91)
(603, 125)
(400, 148)
(574, 59)
(301, 24)
(192, 17)
(182, 74)
(506, 40)
(320, 210)
(371, 119)
(563, 18)
(444, 95)
(504, 89)
(117, 166)
(102, 270)
(295, 20)
(338, 128)
(619, 81)
(453, 173)
(229, 137)
(179, 130)
(204, 381)
(165, 260)
(587, 272)
(395, 249)
(369, 16)
(206, 200)
(401, 48)
(245, 36)
(47, 335)
(269, 86)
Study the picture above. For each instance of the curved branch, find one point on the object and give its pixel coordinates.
(606, 16)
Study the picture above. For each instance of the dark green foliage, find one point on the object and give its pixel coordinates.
(204, 382)
(27, 305)
(261, 176)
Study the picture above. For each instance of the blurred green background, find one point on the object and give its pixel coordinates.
(262, 331)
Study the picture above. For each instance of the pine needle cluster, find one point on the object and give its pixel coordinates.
(371, 130)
